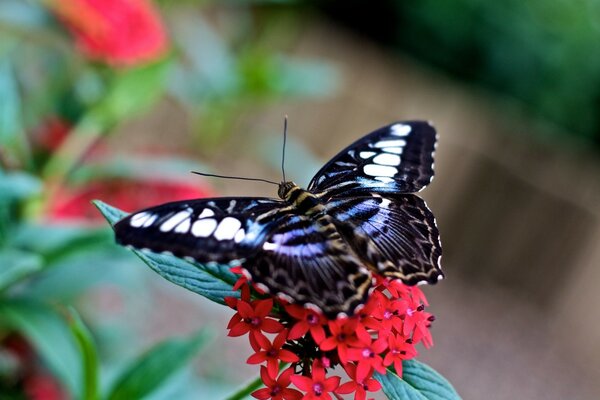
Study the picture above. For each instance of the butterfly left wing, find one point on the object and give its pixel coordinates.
(395, 234)
(305, 262)
(397, 158)
(223, 230)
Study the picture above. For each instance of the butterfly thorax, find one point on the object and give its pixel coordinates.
(304, 201)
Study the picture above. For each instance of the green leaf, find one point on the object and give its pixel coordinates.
(153, 369)
(418, 382)
(10, 105)
(55, 241)
(89, 356)
(49, 334)
(130, 92)
(213, 281)
(15, 265)
(16, 186)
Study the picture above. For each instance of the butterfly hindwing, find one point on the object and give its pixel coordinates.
(395, 234)
(221, 229)
(397, 158)
(303, 263)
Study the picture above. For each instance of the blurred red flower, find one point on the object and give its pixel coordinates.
(129, 195)
(117, 32)
(28, 374)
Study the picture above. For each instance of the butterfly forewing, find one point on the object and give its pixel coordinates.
(397, 158)
(222, 230)
(394, 234)
(302, 263)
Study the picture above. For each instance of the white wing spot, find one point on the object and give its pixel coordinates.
(394, 150)
(366, 154)
(150, 220)
(227, 228)
(384, 179)
(401, 129)
(390, 143)
(385, 203)
(231, 206)
(379, 170)
(204, 227)
(175, 220)
(239, 236)
(184, 227)
(207, 212)
(270, 246)
(138, 220)
(387, 159)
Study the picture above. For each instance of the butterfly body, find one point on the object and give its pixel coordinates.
(320, 246)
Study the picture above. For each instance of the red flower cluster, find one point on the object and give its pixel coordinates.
(117, 32)
(382, 333)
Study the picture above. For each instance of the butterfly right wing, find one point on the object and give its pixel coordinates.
(396, 234)
(223, 230)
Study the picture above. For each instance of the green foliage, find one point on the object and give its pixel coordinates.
(212, 281)
(152, 369)
(88, 354)
(418, 382)
(17, 265)
(542, 53)
(49, 334)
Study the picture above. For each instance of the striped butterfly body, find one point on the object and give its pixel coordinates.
(322, 246)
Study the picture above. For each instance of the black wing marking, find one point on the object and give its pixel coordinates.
(308, 263)
(395, 234)
(397, 158)
(220, 229)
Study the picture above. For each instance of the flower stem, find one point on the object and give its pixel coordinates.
(245, 391)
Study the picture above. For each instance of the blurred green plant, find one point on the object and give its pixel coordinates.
(65, 86)
(541, 53)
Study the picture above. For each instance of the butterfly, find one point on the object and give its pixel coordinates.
(323, 246)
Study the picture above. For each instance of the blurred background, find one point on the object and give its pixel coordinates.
(118, 100)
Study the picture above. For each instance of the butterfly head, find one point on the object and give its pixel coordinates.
(285, 188)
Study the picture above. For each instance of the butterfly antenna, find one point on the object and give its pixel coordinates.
(235, 177)
(285, 122)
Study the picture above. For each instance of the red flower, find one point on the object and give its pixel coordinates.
(317, 387)
(43, 387)
(75, 204)
(389, 312)
(307, 320)
(360, 387)
(271, 352)
(365, 314)
(51, 133)
(118, 32)
(252, 317)
(368, 356)
(422, 332)
(343, 334)
(277, 389)
(400, 349)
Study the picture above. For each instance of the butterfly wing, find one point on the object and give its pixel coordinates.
(396, 234)
(222, 230)
(397, 158)
(305, 262)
